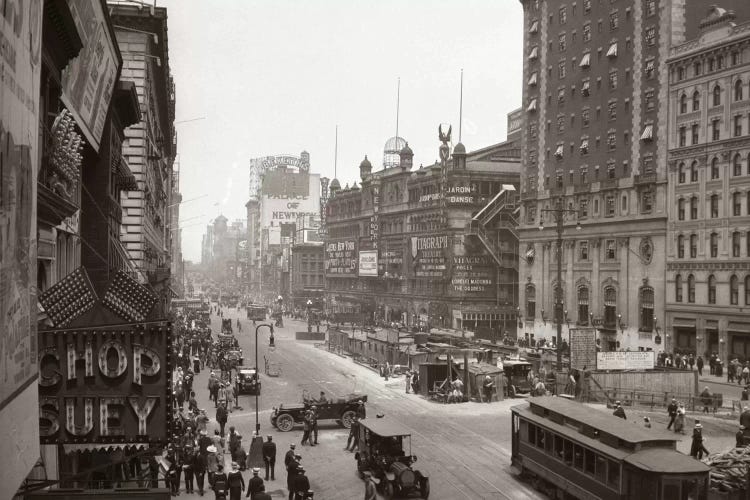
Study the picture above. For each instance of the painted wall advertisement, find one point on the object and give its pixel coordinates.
(105, 385)
(617, 360)
(429, 256)
(582, 348)
(341, 258)
(89, 79)
(286, 201)
(472, 275)
(20, 65)
(368, 262)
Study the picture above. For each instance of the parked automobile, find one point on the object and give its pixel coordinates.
(517, 373)
(248, 381)
(342, 410)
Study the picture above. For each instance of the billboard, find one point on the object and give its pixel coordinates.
(617, 360)
(20, 67)
(341, 258)
(583, 348)
(88, 80)
(283, 199)
(429, 256)
(105, 385)
(473, 273)
(368, 262)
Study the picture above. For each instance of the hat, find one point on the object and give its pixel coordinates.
(742, 427)
(220, 466)
(314, 407)
(211, 449)
(645, 419)
(698, 426)
(617, 402)
(298, 456)
(360, 402)
(300, 469)
(292, 446)
(256, 471)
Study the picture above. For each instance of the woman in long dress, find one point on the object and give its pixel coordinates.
(679, 421)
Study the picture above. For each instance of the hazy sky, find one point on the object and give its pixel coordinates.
(277, 76)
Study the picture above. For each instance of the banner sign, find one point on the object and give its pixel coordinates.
(583, 348)
(287, 196)
(105, 385)
(618, 360)
(341, 258)
(472, 275)
(368, 262)
(429, 256)
(88, 80)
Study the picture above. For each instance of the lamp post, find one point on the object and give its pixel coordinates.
(270, 327)
(558, 214)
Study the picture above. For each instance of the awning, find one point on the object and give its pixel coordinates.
(585, 145)
(585, 60)
(585, 87)
(532, 106)
(534, 27)
(532, 78)
(534, 53)
(559, 151)
(70, 448)
(648, 133)
(612, 52)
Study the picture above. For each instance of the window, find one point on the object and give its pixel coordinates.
(563, 15)
(712, 289)
(714, 206)
(648, 164)
(610, 306)
(651, 36)
(583, 205)
(736, 205)
(734, 290)
(587, 32)
(737, 165)
(650, 102)
(715, 168)
(647, 199)
(609, 206)
(693, 208)
(650, 7)
(585, 117)
(650, 71)
(683, 104)
(682, 134)
(715, 135)
(694, 172)
(696, 101)
(738, 90)
(747, 290)
(681, 173)
(735, 58)
(583, 250)
(561, 124)
(613, 79)
(612, 141)
(561, 97)
(584, 146)
(586, 6)
(609, 249)
(691, 288)
(678, 288)
(530, 302)
(693, 246)
(680, 247)
(697, 69)
(680, 73)
(714, 244)
(561, 42)
(717, 95)
(647, 308)
(738, 125)
(612, 110)
(681, 209)
(736, 244)
(612, 50)
(711, 64)
(613, 21)
(694, 133)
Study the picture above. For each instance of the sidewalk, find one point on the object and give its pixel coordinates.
(718, 380)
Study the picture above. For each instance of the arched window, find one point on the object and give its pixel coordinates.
(681, 173)
(714, 206)
(714, 245)
(681, 209)
(583, 305)
(737, 165)
(647, 308)
(717, 95)
(693, 207)
(738, 90)
(683, 104)
(678, 288)
(530, 302)
(734, 290)
(715, 168)
(696, 101)
(694, 172)
(693, 246)
(610, 307)
(680, 247)
(747, 290)
(691, 289)
(712, 289)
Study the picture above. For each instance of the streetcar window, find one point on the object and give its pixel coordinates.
(590, 463)
(601, 469)
(540, 438)
(568, 452)
(548, 443)
(613, 474)
(578, 457)
(532, 434)
(671, 490)
(559, 447)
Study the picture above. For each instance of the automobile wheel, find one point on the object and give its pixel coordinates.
(387, 489)
(347, 417)
(284, 422)
(424, 488)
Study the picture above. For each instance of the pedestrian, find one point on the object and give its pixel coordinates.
(218, 442)
(188, 463)
(173, 478)
(699, 365)
(415, 382)
(289, 456)
(371, 486)
(740, 437)
(697, 448)
(746, 374)
(646, 422)
(353, 439)
(241, 456)
(221, 417)
(234, 442)
(408, 381)
(314, 426)
(213, 388)
(192, 403)
(255, 485)
(679, 422)
(706, 399)
(212, 464)
(301, 484)
(236, 482)
(361, 411)
(744, 396)
(269, 456)
(203, 440)
(488, 386)
(672, 412)
(199, 471)
(220, 483)
(291, 473)
(619, 411)
(306, 427)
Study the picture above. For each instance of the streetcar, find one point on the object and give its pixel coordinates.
(569, 450)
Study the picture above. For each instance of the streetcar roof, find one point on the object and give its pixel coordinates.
(666, 461)
(384, 427)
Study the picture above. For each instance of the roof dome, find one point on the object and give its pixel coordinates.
(407, 150)
(459, 148)
(365, 163)
(392, 150)
(335, 185)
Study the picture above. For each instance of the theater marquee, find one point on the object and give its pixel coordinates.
(105, 384)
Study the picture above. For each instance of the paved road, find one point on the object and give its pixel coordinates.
(464, 449)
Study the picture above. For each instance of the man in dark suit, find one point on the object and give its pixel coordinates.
(269, 456)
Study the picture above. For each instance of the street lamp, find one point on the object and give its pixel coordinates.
(270, 327)
(558, 214)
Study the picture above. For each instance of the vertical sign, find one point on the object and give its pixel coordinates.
(583, 348)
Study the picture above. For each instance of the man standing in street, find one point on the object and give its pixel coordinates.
(291, 474)
(314, 425)
(307, 425)
(269, 456)
(672, 412)
(255, 485)
(487, 387)
(353, 439)
(408, 381)
(289, 456)
(370, 486)
(221, 417)
(699, 365)
(361, 412)
(301, 484)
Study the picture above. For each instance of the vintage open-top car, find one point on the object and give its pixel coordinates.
(383, 446)
(342, 409)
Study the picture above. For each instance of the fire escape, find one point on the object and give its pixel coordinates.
(495, 226)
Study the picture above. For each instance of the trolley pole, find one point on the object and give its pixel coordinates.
(257, 374)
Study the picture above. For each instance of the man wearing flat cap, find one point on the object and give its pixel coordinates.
(740, 437)
(255, 484)
(269, 456)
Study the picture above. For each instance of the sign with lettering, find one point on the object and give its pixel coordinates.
(105, 385)
(618, 360)
(429, 256)
(472, 275)
(368, 262)
(341, 258)
(461, 195)
(583, 348)
(288, 196)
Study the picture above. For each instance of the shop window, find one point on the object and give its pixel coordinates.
(613, 474)
(578, 457)
(589, 461)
